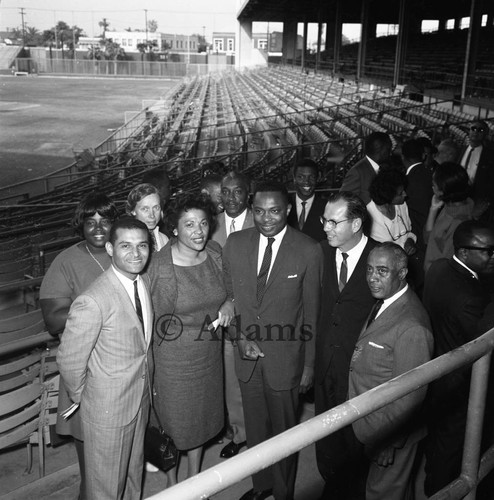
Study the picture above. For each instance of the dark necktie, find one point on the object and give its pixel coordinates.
(262, 277)
(138, 304)
(343, 272)
(469, 155)
(375, 309)
(301, 219)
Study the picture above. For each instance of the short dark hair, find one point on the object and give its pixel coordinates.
(401, 257)
(355, 207)
(271, 187)
(233, 175)
(137, 194)
(385, 185)
(92, 203)
(482, 123)
(209, 181)
(375, 141)
(157, 177)
(412, 150)
(307, 163)
(452, 180)
(189, 201)
(466, 231)
(127, 222)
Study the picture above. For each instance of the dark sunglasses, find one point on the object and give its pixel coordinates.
(489, 250)
(477, 129)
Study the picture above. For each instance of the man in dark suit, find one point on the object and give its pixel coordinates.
(419, 196)
(478, 160)
(273, 273)
(396, 338)
(345, 304)
(377, 149)
(307, 207)
(456, 299)
(237, 215)
(106, 363)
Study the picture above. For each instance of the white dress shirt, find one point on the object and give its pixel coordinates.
(143, 296)
(308, 205)
(387, 302)
(263, 243)
(239, 222)
(352, 259)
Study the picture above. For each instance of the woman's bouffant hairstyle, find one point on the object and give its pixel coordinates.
(385, 185)
(182, 203)
(452, 180)
(94, 202)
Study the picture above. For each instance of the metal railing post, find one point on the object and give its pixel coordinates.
(475, 420)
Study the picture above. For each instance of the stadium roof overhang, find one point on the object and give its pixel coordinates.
(383, 11)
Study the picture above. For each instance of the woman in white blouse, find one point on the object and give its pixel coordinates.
(388, 210)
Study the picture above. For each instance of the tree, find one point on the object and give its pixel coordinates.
(32, 35)
(146, 47)
(153, 25)
(62, 34)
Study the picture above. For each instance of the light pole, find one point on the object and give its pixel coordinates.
(146, 20)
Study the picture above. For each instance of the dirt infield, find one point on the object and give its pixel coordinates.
(42, 119)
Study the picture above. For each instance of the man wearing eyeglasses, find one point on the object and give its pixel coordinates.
(478, 160)
(455, 298)
(345, 304)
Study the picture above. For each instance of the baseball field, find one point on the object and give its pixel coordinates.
(44, 119)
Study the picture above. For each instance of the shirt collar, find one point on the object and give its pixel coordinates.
(456, 259)
(410, 168)
(277, 238)
(374, 165)
(239, 220)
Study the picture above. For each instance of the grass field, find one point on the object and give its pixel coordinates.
(42, 119)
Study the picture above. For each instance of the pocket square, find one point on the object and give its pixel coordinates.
(373, 344)
(292, 276)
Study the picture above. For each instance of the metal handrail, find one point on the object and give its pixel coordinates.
(230, 472)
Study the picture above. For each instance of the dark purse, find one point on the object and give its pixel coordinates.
(159, 448)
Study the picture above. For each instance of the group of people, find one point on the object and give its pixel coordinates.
(228, 314)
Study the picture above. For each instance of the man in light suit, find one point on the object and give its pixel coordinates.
(237, 216)
(273, 273)
(377, 149)
(396, 338)
(344, 309)
(307, 207)
(105, 361)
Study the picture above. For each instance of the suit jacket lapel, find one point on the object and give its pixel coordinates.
(283, 255)
(333, 275)
(387, 317)
(149, 332)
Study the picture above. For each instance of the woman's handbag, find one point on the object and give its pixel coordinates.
(159, 448)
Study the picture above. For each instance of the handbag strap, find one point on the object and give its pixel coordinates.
(157, 418)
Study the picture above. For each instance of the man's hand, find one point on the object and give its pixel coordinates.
(249, 349)
(307, 379)
(385, 457)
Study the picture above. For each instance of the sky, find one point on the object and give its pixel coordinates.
(173, 16)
